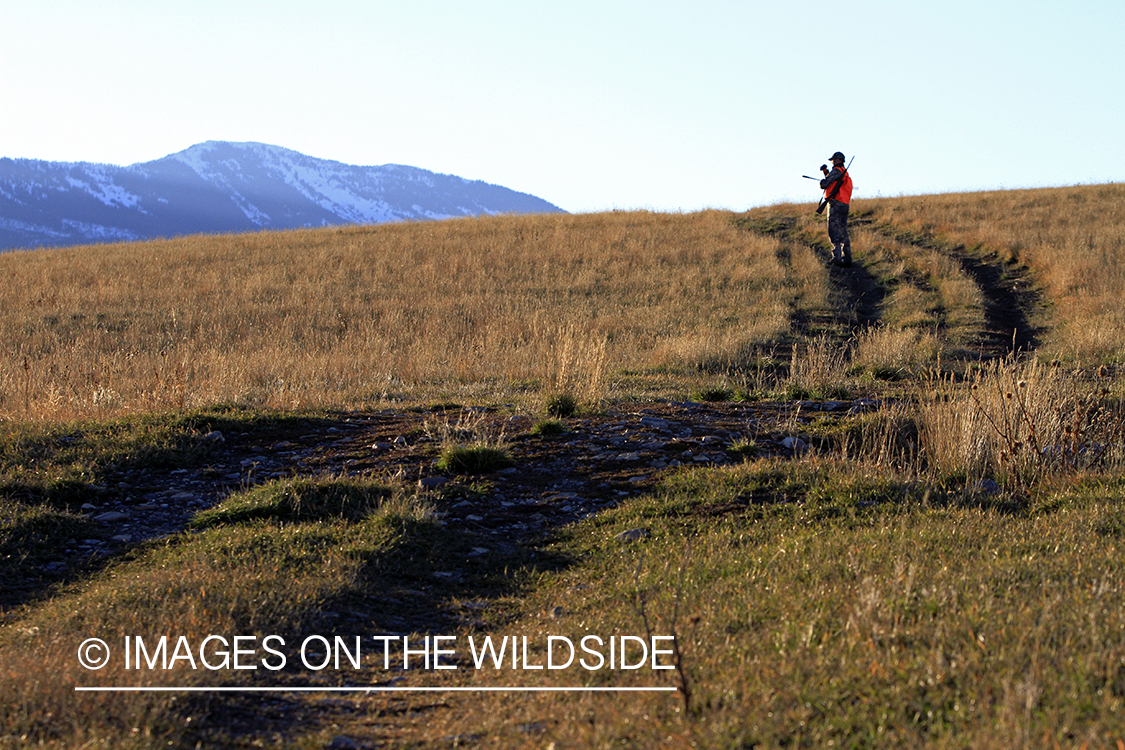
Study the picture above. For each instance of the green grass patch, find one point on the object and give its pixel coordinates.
(299, 500)
(473, 459)
(818, 605)
(714, 394)
(549, 428)
(562, 405)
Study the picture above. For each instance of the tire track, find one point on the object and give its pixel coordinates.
(1008, 290)
(857, 295)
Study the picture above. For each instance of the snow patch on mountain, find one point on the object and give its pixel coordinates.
(101, 232)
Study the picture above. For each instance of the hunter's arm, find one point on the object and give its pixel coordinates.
(833, 176)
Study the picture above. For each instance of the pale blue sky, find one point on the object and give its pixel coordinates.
(589, 104)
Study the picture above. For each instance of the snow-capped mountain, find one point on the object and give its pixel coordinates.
(218, 187)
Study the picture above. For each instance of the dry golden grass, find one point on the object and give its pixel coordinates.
(598, 305)
(347, 317)
(1072, 238)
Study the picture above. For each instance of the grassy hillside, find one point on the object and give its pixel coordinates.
(876, 507)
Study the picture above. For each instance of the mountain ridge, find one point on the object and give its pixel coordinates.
(223, 187)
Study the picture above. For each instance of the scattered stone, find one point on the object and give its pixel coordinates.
(557, 612)
(599, 464)
(633, 535)
(340, 742)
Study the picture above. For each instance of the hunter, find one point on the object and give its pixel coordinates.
(837, 185)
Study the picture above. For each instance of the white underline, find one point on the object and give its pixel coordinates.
(376, 689)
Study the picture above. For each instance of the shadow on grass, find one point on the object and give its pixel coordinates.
(49, 472)
(425, 577)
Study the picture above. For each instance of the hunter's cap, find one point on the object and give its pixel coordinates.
(837, 155)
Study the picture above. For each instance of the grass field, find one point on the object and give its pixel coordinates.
(939, 568)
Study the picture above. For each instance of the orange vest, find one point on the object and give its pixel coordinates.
(844, 194)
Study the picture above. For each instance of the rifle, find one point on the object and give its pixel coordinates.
(835, 188)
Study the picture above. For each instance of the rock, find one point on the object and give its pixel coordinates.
(557, 612)
(111, 517)
(432, 483)
(340, 742)
(532, 727)
(214, 436)
(795, 444)
(987, 487)
(863, 405)
(655, 423)
(123, 538)
(633, 535)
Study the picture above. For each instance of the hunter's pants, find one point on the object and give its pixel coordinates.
(838, 231)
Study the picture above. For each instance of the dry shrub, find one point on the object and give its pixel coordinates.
(1023, 421)
(886, 439)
